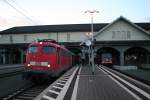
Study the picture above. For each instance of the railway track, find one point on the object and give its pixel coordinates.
(10, 74)
(11, 70)
(28, 93)
(138, 89)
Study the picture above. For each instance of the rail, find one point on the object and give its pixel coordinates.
(2, 67)
(28, 92)
(58, 90)
(140, 89)
(9, 70)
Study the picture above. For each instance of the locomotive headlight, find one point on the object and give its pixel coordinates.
(28, 65)
(48, 65)
(40, 42)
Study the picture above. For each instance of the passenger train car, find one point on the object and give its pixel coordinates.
(46, 58)
(106, 59)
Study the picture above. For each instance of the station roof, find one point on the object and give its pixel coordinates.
(62, 28)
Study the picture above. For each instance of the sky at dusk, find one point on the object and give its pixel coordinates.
(49, 12)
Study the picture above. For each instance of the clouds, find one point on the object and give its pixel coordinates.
(147, 18)
(3, 21)
(72, 11)
(7, 22)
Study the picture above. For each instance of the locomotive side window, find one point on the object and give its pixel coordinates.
(48, 49)
(33, 49)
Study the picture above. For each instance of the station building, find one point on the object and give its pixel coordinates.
(128, 42)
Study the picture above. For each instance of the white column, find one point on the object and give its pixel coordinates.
(121, 58)
(4, 56)
(21, 56)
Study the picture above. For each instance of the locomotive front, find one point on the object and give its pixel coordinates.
(40, 60)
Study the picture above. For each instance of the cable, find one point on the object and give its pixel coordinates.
(18, 6)
(5, 1)
(23, 10)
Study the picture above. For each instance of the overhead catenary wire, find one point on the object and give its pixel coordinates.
(23, 10)
(19, 11)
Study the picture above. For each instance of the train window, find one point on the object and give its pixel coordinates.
(48, 49)
(33, 49)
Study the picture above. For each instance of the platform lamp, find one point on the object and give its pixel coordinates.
(92, 37)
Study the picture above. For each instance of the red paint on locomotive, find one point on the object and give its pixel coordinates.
(47, 58)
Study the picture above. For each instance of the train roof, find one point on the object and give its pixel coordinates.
(51, 44)
(44, 43)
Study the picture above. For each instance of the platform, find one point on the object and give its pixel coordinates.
(11, 68)
(99, 86)
(81, 84)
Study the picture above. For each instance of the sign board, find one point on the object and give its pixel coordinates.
(88, 43)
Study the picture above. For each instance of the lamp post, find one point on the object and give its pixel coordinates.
(89, 43)
(92, 38)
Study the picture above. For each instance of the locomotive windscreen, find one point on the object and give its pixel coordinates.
(33, 49)
(48, 49)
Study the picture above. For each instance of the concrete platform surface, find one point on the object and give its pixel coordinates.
(99, 86)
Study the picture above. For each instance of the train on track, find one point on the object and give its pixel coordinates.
(46, 58)
(104, 59)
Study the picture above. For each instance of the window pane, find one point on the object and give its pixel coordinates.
(33, 49)
(48, 49)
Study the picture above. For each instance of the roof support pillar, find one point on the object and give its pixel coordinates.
(121, 58)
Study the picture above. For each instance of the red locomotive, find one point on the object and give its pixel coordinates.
(46, 58)
(106, 59)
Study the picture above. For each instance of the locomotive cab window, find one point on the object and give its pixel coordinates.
(48, 49)
(33, 49)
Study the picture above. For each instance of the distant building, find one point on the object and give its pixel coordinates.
(129, 43)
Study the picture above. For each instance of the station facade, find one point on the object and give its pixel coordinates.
(128, 42)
